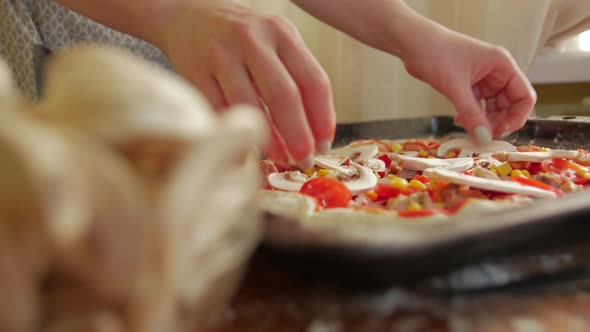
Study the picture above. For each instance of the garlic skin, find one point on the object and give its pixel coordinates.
(113, 95)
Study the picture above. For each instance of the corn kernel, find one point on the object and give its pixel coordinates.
(494, 169)
(309, 172)
(372, 195)
(396, 147)
(391, 176)
(423, 153)
(525, 173)
(583, 172)
(430, 157)
(415, 184)
(516, 172)
(414, 207)
(504, 169)
(323, 172)
(451, 154)
(399, 183)
(545, 150)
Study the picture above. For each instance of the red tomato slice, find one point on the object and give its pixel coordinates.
(386, 160)
(534, 183)
(330, 193)
(535, 168)
(385, 191)
(421, 178)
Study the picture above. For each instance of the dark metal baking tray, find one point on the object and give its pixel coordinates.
(551, 227)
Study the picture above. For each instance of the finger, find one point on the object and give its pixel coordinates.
(522, 98)
(471, 114)
(281, 94)
(237, 88)
(210, 88)
(315, 89)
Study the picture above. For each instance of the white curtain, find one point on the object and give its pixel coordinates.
(370, 85)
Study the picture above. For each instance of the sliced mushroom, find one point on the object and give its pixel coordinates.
(330, 162)
(487, 184)
(469, 148)
(420, 164)
(540, 156)
(364, 181)
(359, 153)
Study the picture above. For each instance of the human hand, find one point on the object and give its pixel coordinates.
(467, 71)
(235, 55)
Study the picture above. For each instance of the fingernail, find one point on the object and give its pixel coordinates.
(505, 134)
(307, 162)
(324, 147)
(482, 134)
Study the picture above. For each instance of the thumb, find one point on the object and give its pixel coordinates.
(471, 114)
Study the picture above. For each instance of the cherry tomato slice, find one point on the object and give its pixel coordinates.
(330, 193)
(385, 191)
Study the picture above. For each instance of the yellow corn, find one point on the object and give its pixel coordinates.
(309, 172)
(415, 184)
(494, 169)
(391, 176)
(504, 169)
(323, 172)
(430, 157)
(516, 172)
(399, 183)
(583, 172)
(371, 195)
(396, 147)
(423, 153)
(525, 173)
(545, 150)
(451, 154)
(414, 207)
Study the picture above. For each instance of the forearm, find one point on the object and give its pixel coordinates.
(389, 25)
(143, 19)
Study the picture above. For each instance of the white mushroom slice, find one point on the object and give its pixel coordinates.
(329, 162)
(365, 181)
(487, 184)
(420, 164)
(286, 181)
(410, 153)
(357, 153)
(469, 148)
(377, 165)
(540, 156)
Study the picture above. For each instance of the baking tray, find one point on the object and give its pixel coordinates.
(522, 240)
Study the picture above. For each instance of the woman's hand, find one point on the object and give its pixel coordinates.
(468, 71)
(236, 55)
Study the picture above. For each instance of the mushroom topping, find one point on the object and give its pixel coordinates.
(347, 173)
(360, 153)
(539, 156)
(469, 148)
(484, 173)
(329, 162)
(487, 184)
(377, 165)
(420, 164)
(356, 178)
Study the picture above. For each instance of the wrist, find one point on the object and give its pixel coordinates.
(411, 35)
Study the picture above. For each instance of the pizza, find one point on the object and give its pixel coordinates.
(420, 181)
